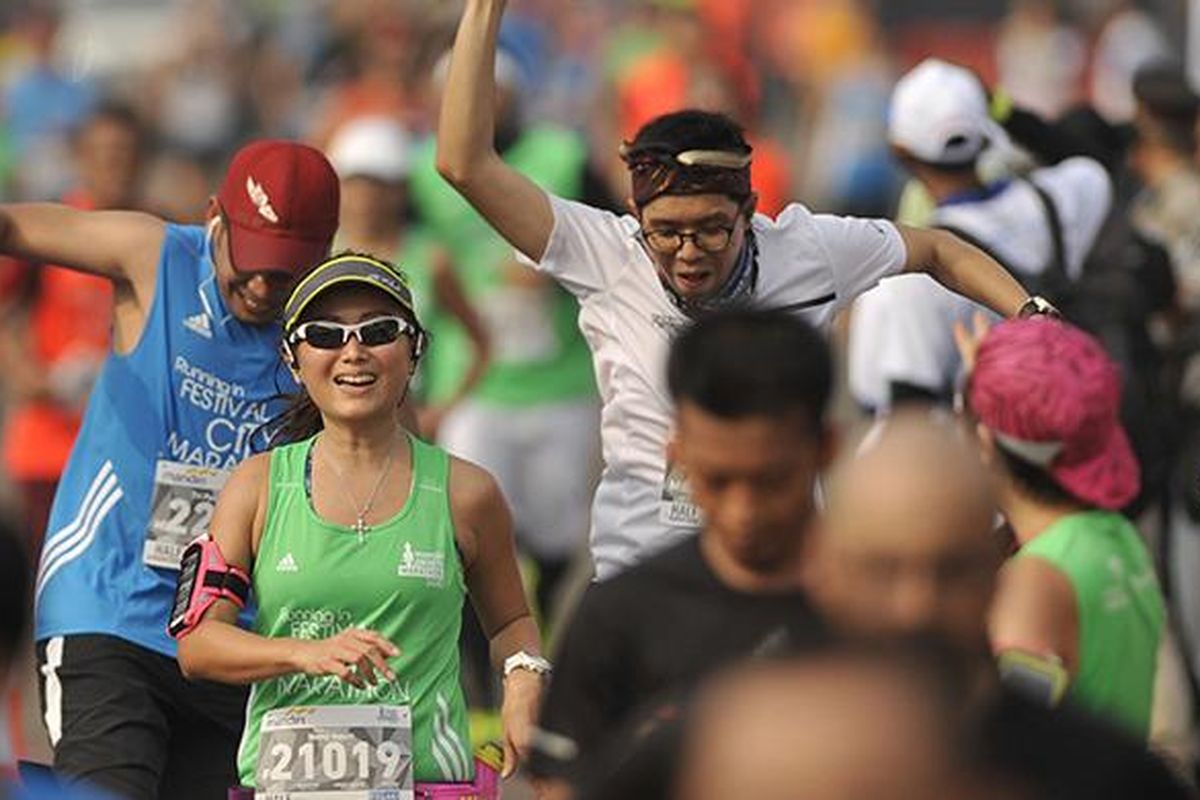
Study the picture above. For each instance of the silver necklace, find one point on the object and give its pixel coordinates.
(360, 512)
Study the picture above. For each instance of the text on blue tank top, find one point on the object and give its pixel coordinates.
(163, 426)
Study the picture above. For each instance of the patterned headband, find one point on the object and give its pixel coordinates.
(656, 171)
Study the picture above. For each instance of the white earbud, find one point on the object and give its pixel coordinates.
(289, 359)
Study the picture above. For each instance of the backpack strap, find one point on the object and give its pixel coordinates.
(1054, 276)
(1057, 268)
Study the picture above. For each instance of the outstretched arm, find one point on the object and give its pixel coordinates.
(466, 154)
(122, 246)
(962, 268)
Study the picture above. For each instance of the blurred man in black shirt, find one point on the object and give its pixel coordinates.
(751, 389)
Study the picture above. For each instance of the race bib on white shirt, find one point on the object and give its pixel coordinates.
(677, 506)
(181, 506)
(335, 753)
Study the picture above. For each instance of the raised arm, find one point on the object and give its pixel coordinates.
(466, 154)
(962, 268)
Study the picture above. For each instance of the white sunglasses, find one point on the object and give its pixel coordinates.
(325, 335)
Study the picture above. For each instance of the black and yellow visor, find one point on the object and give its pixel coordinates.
(342, 270)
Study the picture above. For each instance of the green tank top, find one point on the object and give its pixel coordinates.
(538, 355)
(313, 579)
(1121, 612)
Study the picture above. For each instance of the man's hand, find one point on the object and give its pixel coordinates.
(968, 341)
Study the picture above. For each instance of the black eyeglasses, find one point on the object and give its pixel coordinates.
(376, 332)
(710, 239)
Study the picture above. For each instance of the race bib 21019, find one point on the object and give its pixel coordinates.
(335, 753)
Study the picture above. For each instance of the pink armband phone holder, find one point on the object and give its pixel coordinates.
(204, 578)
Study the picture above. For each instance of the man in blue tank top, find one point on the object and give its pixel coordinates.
(192, 376)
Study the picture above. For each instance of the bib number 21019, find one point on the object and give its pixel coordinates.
(333, 760)
(342, 752)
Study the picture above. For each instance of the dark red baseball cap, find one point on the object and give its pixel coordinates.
(280, 201)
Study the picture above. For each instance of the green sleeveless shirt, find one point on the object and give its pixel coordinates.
(403, 580)
(1120, 608)
(542, 370)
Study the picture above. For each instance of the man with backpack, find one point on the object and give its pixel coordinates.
(1041, 227)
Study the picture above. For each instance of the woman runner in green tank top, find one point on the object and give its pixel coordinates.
(362, 543)
(1079, 604)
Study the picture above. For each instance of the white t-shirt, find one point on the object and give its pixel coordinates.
(902, 330)
(810, 263)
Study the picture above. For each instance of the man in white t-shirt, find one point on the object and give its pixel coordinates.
(692, 241)
(1040, 227)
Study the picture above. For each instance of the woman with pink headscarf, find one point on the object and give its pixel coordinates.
(1079, 612)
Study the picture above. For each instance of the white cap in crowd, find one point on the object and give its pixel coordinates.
(372, 147)
(939, 114)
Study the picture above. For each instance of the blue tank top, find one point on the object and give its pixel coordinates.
(163, 426)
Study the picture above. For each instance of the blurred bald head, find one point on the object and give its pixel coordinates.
(825, 727)
(907, 545)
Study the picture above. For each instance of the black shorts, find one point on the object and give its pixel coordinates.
(126, 720)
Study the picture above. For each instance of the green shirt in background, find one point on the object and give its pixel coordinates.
(8, 160)
(448, 352)
(1121, 612)
(538, 354)
(313, 579)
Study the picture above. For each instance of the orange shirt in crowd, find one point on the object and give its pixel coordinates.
(654, 85)
(770, 175)
(658, 84)
(71, 317)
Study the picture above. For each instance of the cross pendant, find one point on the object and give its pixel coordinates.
(361, 527)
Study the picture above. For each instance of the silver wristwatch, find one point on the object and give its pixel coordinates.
(1037, 305)
(523, 660)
